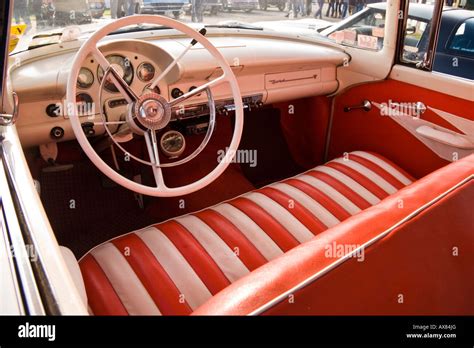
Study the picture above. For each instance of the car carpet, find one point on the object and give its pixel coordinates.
(263, 134)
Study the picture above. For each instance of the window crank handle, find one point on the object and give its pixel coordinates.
(366, 106)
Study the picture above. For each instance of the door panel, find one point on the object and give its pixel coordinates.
(362, 130)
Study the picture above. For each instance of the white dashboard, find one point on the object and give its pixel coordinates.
(268, 70)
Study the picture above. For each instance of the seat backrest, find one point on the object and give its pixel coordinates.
(413, 253)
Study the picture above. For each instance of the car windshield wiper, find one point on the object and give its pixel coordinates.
(138, 28)
(234, 25)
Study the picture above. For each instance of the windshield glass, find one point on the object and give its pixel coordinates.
(43, 22)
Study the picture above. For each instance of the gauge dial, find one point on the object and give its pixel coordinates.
(122, 66)
(146, 72)
(85, 104)
(85, 79)
(172, 143)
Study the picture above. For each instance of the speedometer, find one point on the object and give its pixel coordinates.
(122, 66)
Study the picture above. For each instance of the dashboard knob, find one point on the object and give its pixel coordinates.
(176, 93)
(53, 110)
(88, 128)
(222, 111)
(57, 133)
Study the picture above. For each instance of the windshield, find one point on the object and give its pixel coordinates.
(43, 22)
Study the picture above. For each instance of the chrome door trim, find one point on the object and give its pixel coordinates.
(26, 277)
(10, 292)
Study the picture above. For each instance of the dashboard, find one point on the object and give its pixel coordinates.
(268, 70)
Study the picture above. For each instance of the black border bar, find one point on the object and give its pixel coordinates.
(136, 331)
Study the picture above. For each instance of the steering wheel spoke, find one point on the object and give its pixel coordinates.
(115, 78)
(217, 81)
(153, 152)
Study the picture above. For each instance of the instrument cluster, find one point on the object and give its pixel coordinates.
(128, 70)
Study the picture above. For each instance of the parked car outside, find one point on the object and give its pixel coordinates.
(280, 4)
(455, 49)
(163, 7)
(71, 12)
(242, 5)
(211, 6)
(97, 8)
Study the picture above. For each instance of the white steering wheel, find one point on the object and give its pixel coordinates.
(149, 112)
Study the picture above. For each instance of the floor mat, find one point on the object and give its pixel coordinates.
(264, 144)
(83, 213)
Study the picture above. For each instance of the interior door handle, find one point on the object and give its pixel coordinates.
(454, 139)
(366, 106)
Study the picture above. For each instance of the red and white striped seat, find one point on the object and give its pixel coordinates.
(175, 266)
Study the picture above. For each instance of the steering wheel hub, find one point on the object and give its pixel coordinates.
(152, 111)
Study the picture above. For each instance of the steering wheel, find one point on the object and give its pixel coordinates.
(148, 112)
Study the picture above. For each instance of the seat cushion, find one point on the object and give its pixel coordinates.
(175, 266)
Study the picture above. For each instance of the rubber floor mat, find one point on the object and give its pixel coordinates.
(264, 144)
(83, 213)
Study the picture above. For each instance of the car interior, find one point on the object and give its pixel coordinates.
(219, 171)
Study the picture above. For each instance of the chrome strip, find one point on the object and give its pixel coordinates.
(346, 257)
(26, 276)
(4, 49)
(58, 288)
(10, 293)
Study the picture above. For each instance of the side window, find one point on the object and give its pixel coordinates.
(414, 45)
(462, 42)
(454, 53)
(365, 31)
(417, 32)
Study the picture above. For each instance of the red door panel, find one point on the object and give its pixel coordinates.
(361, 130)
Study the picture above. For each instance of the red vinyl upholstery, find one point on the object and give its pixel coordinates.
(174, 267)
(417, 259)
